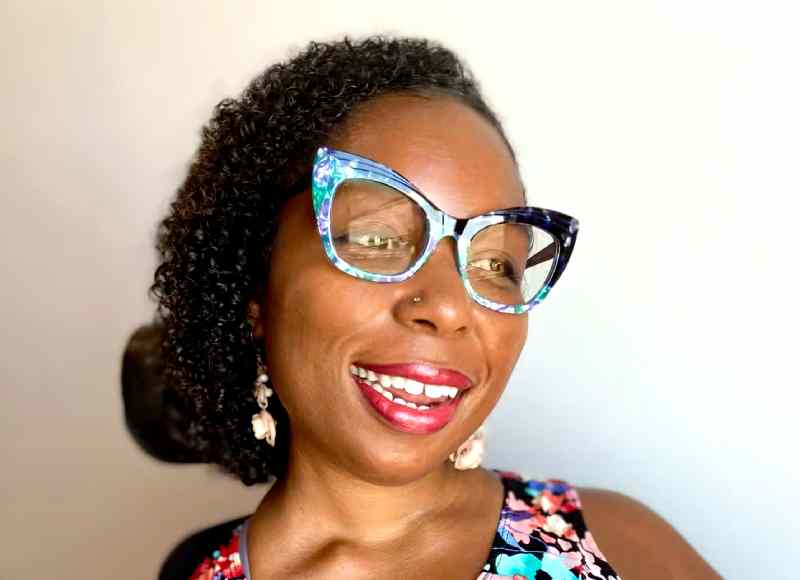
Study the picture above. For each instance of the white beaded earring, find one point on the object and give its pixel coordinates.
(264, 424)
(470, 453)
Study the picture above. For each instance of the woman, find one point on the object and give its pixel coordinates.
(345, 294)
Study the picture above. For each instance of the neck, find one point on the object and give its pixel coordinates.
(340, 505)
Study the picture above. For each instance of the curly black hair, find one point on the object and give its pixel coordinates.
(216, 240)
(155, 417)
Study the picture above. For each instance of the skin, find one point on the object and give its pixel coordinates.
(360, 499)
(638, 542)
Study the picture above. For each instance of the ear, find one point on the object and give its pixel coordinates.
(254, 318)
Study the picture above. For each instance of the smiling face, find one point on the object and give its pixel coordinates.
(319, 323)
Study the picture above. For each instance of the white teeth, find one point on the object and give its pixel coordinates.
(433, 391)
(398, 400)
(414, 387)
(437, 391)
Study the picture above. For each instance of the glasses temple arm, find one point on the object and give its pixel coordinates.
(542, 255)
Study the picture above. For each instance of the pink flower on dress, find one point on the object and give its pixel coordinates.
(588, 544)
(572, 560)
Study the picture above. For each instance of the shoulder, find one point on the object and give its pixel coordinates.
(204, 552)
(639, 541)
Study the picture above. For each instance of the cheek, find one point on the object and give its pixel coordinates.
(310, 319)
(309, 303)
(503, 345)
(309, 307)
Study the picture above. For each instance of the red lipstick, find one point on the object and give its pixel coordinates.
(405, 418)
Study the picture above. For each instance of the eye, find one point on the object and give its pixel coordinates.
(492, 267)
(489, 265)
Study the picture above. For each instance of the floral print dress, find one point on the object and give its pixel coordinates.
(540, 535)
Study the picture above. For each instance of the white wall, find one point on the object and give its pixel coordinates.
(662, 366)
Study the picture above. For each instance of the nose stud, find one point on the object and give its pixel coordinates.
(416, 300)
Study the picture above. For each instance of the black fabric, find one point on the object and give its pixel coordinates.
(186, 556)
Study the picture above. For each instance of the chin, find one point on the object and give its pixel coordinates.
(397, 465)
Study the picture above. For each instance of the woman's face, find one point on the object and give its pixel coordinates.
(318, 321)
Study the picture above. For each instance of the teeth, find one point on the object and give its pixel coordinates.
(433, 391)
(398, 400)
(412, 387)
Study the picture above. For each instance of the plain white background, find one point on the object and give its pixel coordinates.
(662, 366)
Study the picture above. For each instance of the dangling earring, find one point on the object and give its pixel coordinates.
(470, 453)
(264, 424)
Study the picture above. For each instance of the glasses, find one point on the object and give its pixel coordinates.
(376, 225)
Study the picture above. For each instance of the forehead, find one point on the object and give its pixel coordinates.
(449, 151)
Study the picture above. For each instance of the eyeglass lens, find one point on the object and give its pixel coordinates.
(380, 230)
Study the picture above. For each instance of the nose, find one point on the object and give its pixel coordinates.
(445, 309)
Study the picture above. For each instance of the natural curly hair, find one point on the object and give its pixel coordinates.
(216, 240)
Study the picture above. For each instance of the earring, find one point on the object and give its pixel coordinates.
(264, 424)
(470, 453)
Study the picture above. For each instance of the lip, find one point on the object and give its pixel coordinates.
(406, 419)
(422, 372)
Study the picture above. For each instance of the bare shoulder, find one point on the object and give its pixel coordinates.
(638, 542)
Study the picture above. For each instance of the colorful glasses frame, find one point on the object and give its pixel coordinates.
(333, 167)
